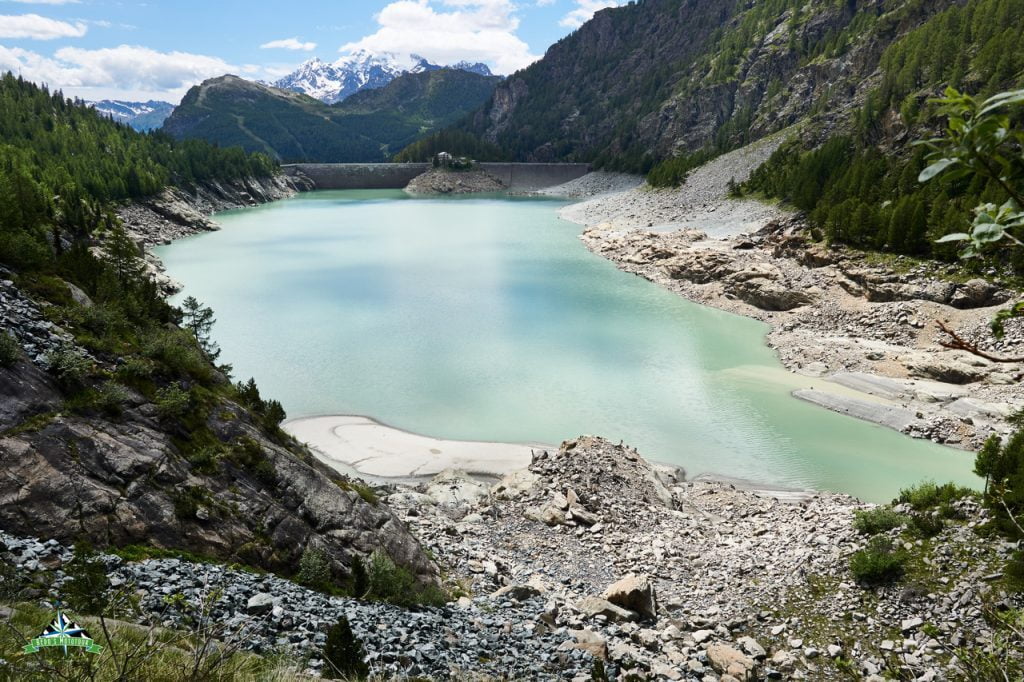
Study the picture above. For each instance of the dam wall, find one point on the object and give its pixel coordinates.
(516, 176)
(526, 176)
(358, 175)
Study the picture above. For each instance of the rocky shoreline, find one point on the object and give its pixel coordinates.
(177, 212)
(834, 313)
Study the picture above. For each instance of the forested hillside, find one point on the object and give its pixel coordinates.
(664, 78)
(369, 126)
(61, 163)
(660, 86)
(861, 186)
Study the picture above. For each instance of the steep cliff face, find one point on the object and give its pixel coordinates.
(663, 77)
(72, 474)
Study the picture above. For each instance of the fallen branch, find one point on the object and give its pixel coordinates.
(957, 342)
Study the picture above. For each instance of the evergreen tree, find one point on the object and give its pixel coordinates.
(199, 320)
(343, 653)
(122, 254)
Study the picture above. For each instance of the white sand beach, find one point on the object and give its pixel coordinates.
(353, 444)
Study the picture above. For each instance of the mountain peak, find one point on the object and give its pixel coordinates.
(139, 115)
(360, 70)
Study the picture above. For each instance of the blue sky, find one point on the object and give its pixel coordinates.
(129, 49)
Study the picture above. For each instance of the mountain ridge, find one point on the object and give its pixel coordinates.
(141, 116)
(333, 82)
(291, 126)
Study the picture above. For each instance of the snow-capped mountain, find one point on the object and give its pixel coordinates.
(334, 81)
(139, 115)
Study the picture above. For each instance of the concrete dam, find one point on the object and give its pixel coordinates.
(515, 176)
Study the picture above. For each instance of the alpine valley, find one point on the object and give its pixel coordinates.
(768, 254)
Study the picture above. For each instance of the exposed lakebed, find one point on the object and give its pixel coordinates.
(485, 318)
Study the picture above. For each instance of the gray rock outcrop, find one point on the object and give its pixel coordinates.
(123, 482)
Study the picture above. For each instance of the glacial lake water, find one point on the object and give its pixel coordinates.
(485, 318)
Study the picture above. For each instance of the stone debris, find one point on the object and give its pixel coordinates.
(440, 181)
(699, 580)
(716, 583)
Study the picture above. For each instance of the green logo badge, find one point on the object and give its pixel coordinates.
(65, 633)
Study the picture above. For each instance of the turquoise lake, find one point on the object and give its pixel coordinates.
(485, 318)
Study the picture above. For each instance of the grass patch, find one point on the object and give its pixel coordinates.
(34, 423)
(143, 552)
(364, 491)
(171, 655)
(248, 455)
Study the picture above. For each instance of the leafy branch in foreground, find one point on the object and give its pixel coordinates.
(980, 140)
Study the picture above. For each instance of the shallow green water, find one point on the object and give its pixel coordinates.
(486, 318)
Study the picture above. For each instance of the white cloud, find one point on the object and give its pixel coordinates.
(447, 31)
(288, 44)
(126, 71)
(584, 11)
(35, 27)
(46, 2)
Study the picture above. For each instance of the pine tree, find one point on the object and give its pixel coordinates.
(199, 320)
(122, 255)
(343, 653)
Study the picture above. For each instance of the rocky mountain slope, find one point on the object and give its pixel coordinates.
(141, 116)
(122, 470)
(332, 82)
(660, 78)
(294, 127)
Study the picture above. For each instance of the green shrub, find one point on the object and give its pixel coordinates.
(343, 653)
(136, 369)
(926, 525)
(360, 579)
(178, 354)
(248, 455)
(172, 402)
(878, 563)
(24, 252)
(187, 502)
(930, 496)
(204, 459)
(1014, 572)
(110, 398)
(70, 366)
(877, 520)
(389, 582)
(364, 491)
(86, 590)
(10, 583)
(10, 351)
(314, 569)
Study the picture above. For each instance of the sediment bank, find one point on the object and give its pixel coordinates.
(835, 314)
